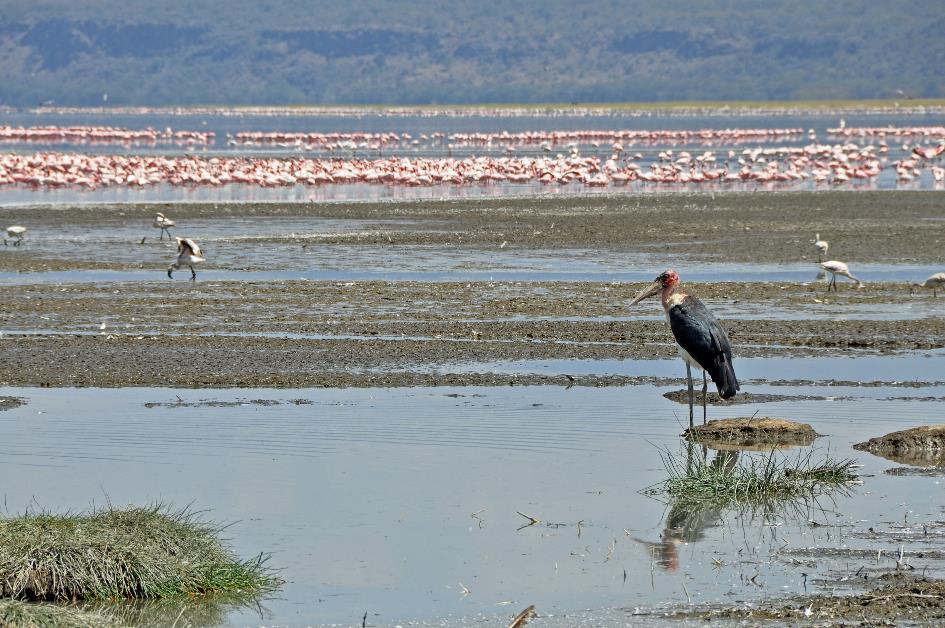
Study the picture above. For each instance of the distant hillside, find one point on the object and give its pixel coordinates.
(331, 52)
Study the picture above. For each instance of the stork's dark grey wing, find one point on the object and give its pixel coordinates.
(699, 333)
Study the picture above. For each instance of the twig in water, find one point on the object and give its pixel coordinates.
(364, 620)
(531, 520)
(522, 618)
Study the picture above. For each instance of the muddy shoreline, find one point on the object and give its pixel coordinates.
(747, 227)
(299, 334)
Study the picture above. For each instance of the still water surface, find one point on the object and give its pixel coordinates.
(385, 500)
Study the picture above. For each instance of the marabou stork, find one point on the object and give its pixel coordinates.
(17, 232)
(163, 223)
(188, 253)
(934, 282)
(821, 246)
(702, 341)
(838, 268)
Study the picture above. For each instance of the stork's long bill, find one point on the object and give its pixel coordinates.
(665, 283)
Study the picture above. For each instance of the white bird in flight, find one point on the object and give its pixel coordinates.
(188, 254)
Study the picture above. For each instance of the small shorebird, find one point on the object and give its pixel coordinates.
(17, 232)
(701, 340)
(188, 254)
(934, 282)
(838, 268)
(163, 223)
(821, 246)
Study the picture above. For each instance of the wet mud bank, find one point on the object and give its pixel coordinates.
(735, 227)
(922, 446)
(891, 599)
(296, 334)
(751, 432)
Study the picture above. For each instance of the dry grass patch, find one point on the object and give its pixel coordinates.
(115, 553)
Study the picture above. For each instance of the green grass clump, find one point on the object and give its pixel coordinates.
(16, 614)
(751, 479)
(113, 553)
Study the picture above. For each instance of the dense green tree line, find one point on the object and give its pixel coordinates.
(293, 51)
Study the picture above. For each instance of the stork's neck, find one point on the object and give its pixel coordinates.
(671, 297)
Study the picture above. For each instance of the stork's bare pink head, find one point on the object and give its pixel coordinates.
(666, 279)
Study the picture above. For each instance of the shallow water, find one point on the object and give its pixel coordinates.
(385, 500)
(249, 249)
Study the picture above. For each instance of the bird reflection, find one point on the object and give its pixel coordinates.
(686, 522)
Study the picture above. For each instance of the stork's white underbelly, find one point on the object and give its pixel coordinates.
(689, 359)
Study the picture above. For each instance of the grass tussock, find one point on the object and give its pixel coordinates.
(16, 614)
(114, 553)
(750, 479)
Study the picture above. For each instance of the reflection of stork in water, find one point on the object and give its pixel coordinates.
(701, 340)
(688, 521)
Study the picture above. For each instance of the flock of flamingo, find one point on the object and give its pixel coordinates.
(558, 160)
(102, 135)
(543, 139)
(820, 163)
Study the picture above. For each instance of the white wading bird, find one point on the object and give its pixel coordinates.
(701, 340)
(934, 282)
(163, 223)
(17, 232)
(188, 254)
(838, 268)
(821, 246)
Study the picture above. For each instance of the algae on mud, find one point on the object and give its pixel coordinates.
(922, 446)
(752, 431)
(892, 597)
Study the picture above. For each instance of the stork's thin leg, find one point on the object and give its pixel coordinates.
(193, 273)
(689, 379)
(705, 387)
